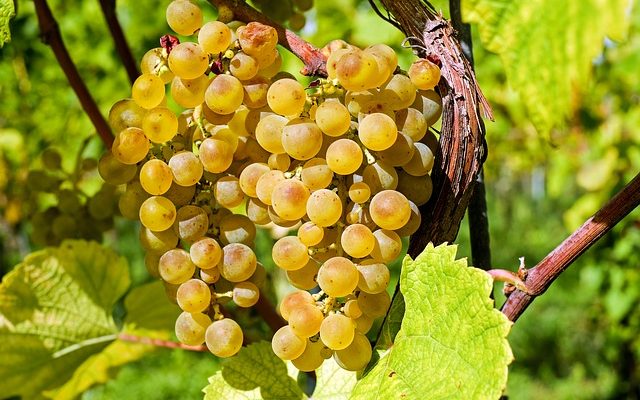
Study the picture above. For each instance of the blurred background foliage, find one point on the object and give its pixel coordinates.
(578, 341)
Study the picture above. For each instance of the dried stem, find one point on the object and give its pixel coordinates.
(51, 35)
(109, 11)
(542, 275)
(159, 342)
(313, 59)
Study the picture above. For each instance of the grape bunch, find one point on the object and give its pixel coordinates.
(343, 163)
(59, 208)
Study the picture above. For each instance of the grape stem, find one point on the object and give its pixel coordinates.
(128, 61)
(50, 32)
(313, 59)
(126, 337)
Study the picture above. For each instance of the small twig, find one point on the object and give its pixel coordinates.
(509, 277)
(313, 59)
(159, 342)
(549, 269)
(268, 313)
(120, 41)
(50, 32)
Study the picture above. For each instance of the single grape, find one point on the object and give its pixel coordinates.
(305, 320)
(238, 262)
(294, 300)
(216, 155)
(316, 174)
(424, 74)
(193, 296)
(227, 192)
(205, 253)
(186, 168)
(214, 37)
(189, 93)
(158, 242)
(237, 228)
(301, 138)
(310, 234)
(184, 17)
(156, 177)
(338, 277)
(243, 66)
(373, 276)
(289, 198)
(249, 177)
(191, 223)
(356, 356)
(390, 209)
(266, 183)
(287, 345)
(224, 94)
(333, 118)
(351, 309)
(130, 146)
(175, 266)
(421, 162)
(160, 124)
(188, 61)
(280, 162)
(380, 176)
(377, 131)
(388, 246)
(400, 152)
(344, 156)
(337, 331)
(190, 328)
(148, 91)
(154, 62)
(412, 123)
(305, 277)
(124, 114)
(374, 305)
(289, 253)
(357, 70)
(417, 189)
(269, 133)
(224, 338)
(311, 359)
(398, 92)
(324, 207)
(357, 240)
(131, 200)
(258, 212)
(157, 213)
(359, 192)
(210, 276)
(245, 294)
(255, 92)
(180, 195)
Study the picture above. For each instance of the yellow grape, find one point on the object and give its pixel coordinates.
(249, 177)
(237, 228)
(190, 328)
(192, 223)
(414, 222)
(289, 253)
(399, 153)
(387, 61)
(214, 37)
(344, 156)
(301, 138)
(269, 133)
(390, 209)
(399, 92)
(424, 74)
(258, 212)
(189, 93)
(155, 177)
(294, 300)
(377, 131)
(180, 195)
(430, 103)
(289, 198)
(227, 192)
(255, 92)
(333, 118)
(184, 17)
(154, 62)
(224, 338)
(337, 331)
(286, 97)
(245, 294)
(388, 245)
(188, 60)
(286, 344)
(380, 176)
(157, 213)
(311, 359)
(186, 168)
(266, 183)
(148, 91)
(126, 113)
(356, 356)
(357, 70)
(113, 171)
(158, 242)
(205, 253)
(351, 309)
(421, 162)
(316, 174)
(281, 162)
(305, 321)
(310, 234)
(305, 277)
(216, 155)
(210, 276)
(357, 240)
(374, 276)
(193, 296)
(257, 39)
(359, 192)
(130, 146)
(332, 62)
(412, 123)
(175, 266)
(224, 94)
(324, 207)
(131, 200)
(338, 277)
(243, 66)
(160, 124)
(238, 262)
(374, 305)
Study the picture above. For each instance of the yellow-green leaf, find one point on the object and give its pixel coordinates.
(7, 11)
(548, 46)
(452, 342)
(333, 382)
(55, 312)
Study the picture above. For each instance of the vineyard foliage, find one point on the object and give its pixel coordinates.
(562, 78)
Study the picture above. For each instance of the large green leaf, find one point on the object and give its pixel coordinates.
(333, 383)
(7, 11)
(55, 312)
(452, 342)
(548, 46)
(255, 373)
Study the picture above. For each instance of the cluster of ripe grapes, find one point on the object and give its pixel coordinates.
(343, 164)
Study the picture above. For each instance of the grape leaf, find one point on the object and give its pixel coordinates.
(333, 382)
(547, 47)
(155, 321)
(255, 373)
(55, 312)
(452, 342)
(7, 12)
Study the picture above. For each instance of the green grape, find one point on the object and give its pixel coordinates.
(51, 159)
(337, 331)
(258, 212)
(286, 97)
(414, 222)
(374, 305)
(101, 205)
(154, 62)
(64, 226)
(148, 91)
(388, 246)
(190, 328)
(352, 309)
(316, 174)
(227, 192)
(180, 195)
(191, 223)
(205, 253)
(294, 300)
(170, 290)
(324, 207)
(412, 123)
(303, 5)
(155, 177)
(310, 234)
(238, 262)
(189, 93)
(184, 17)
(131, 200)
(399, 92)
(175, 266)
(210, 276)
(68, 201)
(338, 277)
(333, 118)
(125, 114)
(188, 60)
(243, 66)
(289, 253)
(374, 276)
(245, 294)
(421, 162)
(417, 189)
(237, 228)
(214, 37)
(311, 358)
(160, 125)
(157, 213)
(424, 74)
(377, 131)
(151, 263)
(216, 155)
(380, 176)
(297, 21)
(287, 345)
(255, 92)
(249, 177)
(301, 138)
(130, 146)
(400, 152)
(359, 192)
(289, 198)
(224, 94)
(344, 156)
(269, 133)
(305, 277)
(158, 242)
(356, 356)
(40, 181)
(357, 240)
(266, 183)
(113, 171)
(357, 70)
(186, 168)
(193, 296)
(390, 209)
(224, 338)
(305, 320)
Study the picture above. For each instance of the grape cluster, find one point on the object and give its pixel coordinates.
(344, 162)
(57, 206)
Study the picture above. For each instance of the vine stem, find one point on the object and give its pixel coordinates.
(313, 59)
(120, 41)
(159, 342)
(539, 278)
(51, 35)
(268, 313)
